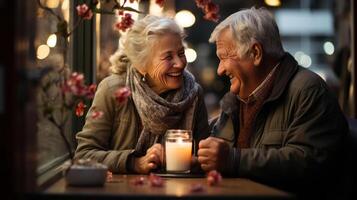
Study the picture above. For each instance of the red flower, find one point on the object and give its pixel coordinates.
(160, 3)
(211, 16)
(125, 22)
(80, 109)
(91, 91)
(122, 94)
(202, 3)
(84, 11)
(213, 178)
(209, 8)
(155, 181)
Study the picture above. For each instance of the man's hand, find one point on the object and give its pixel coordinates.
(150, 161)
(213, 154)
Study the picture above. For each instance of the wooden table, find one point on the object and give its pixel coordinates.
(122, 187)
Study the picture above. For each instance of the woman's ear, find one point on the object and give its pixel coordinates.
(257, 53)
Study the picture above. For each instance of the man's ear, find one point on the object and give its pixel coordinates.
(257, 53)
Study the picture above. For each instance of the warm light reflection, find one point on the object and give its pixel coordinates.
(43, 51)
(185, 18)
(52, 40)
(65, 9)
(329, 48)
(274, 3)
(155, 9)
(191, 55)
(52, 3)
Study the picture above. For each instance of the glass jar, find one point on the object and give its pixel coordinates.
(177, 151)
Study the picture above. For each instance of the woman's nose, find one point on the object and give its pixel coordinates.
(179, 62)
(220, 69)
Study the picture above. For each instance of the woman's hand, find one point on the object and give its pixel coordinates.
(152, 160)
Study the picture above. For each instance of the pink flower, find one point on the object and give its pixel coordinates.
(80, 109)
(125, 22)
(91, 91)
(84, 11)
(97, 114)
(160, 3)
(122, 94)
(213, 178)
(138, 181)
(155, 181)
(75, 85)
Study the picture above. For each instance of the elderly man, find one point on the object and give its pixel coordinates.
(279, 123)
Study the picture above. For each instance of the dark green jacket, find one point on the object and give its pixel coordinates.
(113, 137)
(297, 133)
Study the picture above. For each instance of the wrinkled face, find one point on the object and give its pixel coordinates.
(231, 64)
(165, 71)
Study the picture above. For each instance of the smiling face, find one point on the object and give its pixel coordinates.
(168, 60)
(233, 65)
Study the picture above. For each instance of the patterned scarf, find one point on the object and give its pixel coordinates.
(158, 113)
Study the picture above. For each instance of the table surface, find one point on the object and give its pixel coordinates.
(123, 186)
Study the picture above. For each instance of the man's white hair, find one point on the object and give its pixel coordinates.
(249, 26)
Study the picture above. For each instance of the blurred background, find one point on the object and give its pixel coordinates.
(318, 33)
(315, 32)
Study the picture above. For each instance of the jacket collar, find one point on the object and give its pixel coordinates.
(288, 67)
(283, 74)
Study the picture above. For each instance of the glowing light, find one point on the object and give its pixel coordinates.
(52, 3)
(298, 55)
(52, 40)
(155, 9)
(191, 55)
(273, 3)
(43, 51)
(305, 61)
(65, 5)
(329, 48)
(185, 18)
(65, 9)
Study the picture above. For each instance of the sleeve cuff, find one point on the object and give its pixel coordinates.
(233, 163)
(130, 163)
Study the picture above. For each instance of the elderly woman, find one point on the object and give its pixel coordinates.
(151, 62)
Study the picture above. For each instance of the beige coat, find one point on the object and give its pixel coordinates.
(113, 137)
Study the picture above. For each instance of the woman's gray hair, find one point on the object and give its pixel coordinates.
(249, 26)
(135, 47)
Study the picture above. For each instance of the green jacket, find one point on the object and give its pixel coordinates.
(298, 131)
(113, 137)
